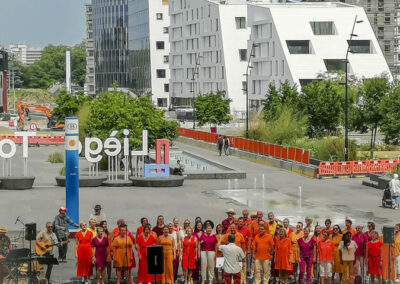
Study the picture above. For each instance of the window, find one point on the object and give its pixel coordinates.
(243, 54)
(159, 16)
(387, 18)
(160, 73)
(159, 44)
(381, 32)
(216, 25)
(334, 65)
(323, 28)
(387, 45)
(166, 88)
(360, 46)
(165, 30)
(298, 46)
(244, 86)
(240, 23)
(161, 102)
(380, 5)
(166, 58)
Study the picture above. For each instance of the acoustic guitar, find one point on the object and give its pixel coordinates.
(47, 246)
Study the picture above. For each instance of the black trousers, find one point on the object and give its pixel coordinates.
(62, 249)
(49, 267)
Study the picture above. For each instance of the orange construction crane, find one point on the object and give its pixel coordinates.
(25, 108)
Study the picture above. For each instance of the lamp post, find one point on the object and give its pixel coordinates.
(346, 99)
(194, 73)
(253, 46)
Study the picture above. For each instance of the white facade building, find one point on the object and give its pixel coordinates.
(297, 42)
(24, 55)
(148, 28)
(208, 38)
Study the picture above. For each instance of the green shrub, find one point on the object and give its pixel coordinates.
(285, 129)
(328, 148)
(55, 158)
(62, 171)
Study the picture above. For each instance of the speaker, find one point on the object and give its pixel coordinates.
(388, 235)
(155, 260)
(30, 231)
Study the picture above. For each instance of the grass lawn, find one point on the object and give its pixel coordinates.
(380, 155)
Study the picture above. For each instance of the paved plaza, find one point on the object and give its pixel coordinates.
(265, 188)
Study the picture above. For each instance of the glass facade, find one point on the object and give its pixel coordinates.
(110, 28)
(139, 46)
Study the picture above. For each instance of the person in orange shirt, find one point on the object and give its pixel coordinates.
(246, 218)
(262, 247)
(348, 224)
(325, 257)
(288, 230)
(283, 249)
(239, 239)
(255, 223)
(241, 228)
(295, 256)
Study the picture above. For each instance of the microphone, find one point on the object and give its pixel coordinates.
(16, 220)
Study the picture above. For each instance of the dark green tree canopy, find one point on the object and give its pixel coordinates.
(212, 108)
(67, 105)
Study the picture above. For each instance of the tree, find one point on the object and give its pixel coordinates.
(389, 107)
(368, 114)
(51, 67)
(212, 108)
(322, 101)
(118, 111)
(277, 99)
(67, 105)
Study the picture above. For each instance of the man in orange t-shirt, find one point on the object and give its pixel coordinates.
(241, 228)
(348, 223)
(255, 224)
(263, 247)
(246, 218)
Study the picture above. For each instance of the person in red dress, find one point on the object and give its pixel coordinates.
(189, 254)
(373, 255)
(143, 222)
(83, 252)
(283, 250)
(142, 242)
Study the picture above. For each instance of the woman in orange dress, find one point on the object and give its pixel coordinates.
(218, 235)
(295, 256)
(168, 244)
(122, 245)
(337, 266)
(189, 254)
(142, 242)
(83, 252)
(108, 234)
(283, 250)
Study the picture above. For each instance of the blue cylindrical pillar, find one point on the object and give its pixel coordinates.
(72, 167)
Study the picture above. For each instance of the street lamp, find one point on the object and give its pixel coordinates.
(346, 99)
(194, 73)
(249, 67)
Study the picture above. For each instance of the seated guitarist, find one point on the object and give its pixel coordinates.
(45, 241)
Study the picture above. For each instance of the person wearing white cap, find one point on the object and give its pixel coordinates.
(61, 231)
(395, 191)
(228, 221)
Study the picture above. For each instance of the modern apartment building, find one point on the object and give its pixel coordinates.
(148, 33)
(384, 16)
(27, 56)
(315, 41)
(110, 32)
(208, 50)
(90, 80)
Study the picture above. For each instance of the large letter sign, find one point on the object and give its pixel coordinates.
(72, 167)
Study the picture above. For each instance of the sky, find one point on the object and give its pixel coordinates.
(39, 23)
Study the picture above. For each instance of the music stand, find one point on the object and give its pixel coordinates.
(47, 260)
(16, 254)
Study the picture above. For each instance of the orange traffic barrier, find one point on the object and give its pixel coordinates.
(284, 153)
(298, 155)
(327, 168)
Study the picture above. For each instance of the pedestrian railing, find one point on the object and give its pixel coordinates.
(357, 167)
(257, 147)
